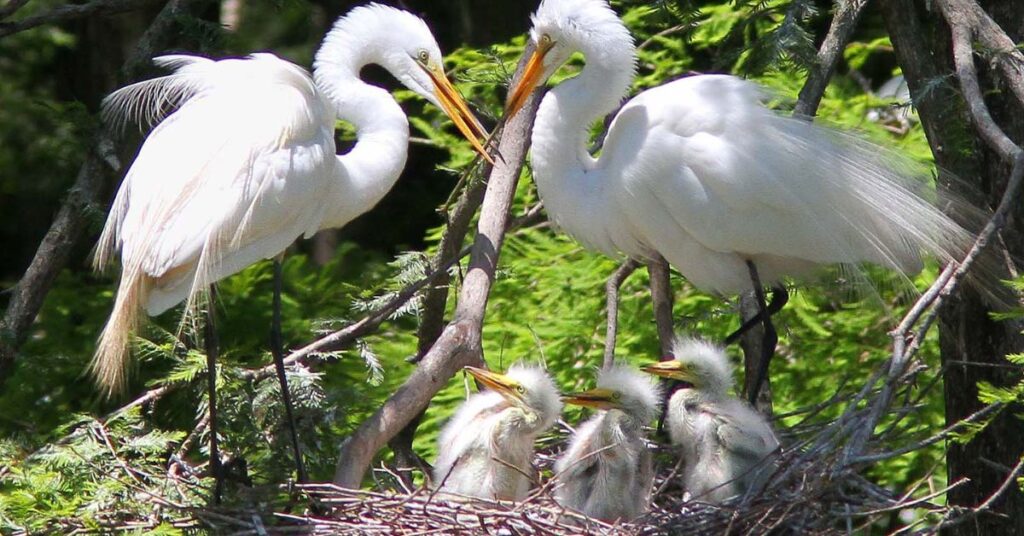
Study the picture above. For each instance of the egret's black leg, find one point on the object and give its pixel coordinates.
(277, 349)
(210, 341)
(770, 338)
(780, 297)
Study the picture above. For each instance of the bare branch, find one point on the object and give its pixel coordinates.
(839, 33)
(459, 344)
(1010, 480)
(66, 13)
(1005, 54)
(611, 290)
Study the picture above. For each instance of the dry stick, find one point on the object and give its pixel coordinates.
(68, 12)
(366, 325)
(459, 344)
(1011, 479)
(903, 349)
(83, 199)
(839, 33)
(611, 290)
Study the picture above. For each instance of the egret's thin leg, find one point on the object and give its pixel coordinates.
(277, 349)
(769, 339)
(210, 342)
(661, 296)
(780, 297)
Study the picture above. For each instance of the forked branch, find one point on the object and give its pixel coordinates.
(459, 344)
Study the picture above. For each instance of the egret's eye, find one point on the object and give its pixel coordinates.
(423, 56)
(520, 389)
(545, 40)
(616, 395)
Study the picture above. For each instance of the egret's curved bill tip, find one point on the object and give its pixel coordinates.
(455, 106)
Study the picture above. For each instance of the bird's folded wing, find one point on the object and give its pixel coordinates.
(232, 168)
(709, 159)
(743, 432)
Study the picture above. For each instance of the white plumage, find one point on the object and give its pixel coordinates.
(727, 448)
(699, 171)
(246, 163)
(606, 472)
(486, 450)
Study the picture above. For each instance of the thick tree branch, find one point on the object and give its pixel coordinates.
(72, 221)
(435, 299)
(970, 17)
(66, 13)
(611, 289)
(839, 33)
(459, 344)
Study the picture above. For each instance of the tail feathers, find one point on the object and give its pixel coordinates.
(109, 366)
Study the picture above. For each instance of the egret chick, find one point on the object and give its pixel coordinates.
(606, 472)
(486, 450)
(726, 446)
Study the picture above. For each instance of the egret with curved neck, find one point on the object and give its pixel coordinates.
(699, 172)
(246, 164)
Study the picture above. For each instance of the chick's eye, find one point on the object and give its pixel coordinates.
(616, 395)
(423, 56)
(521, 389)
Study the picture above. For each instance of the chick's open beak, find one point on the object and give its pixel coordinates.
(669, 369)
(457, 110)
(595, 398)
(530, 80)
(497, 382)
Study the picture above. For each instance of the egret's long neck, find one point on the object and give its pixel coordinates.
(561, 130)
(370, 169)
(570, 181)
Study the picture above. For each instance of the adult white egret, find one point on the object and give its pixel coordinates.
(727, 447)
(486, 450)
(606, 472)
(699, 172)
(246, 164)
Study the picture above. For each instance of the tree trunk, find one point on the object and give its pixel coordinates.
(970, 341)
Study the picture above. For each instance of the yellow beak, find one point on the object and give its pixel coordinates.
(496, 382)
(457, 110)
(669, 369)
(595, 398)
(530, 80)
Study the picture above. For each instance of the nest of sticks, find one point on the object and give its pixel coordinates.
(818, 486)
